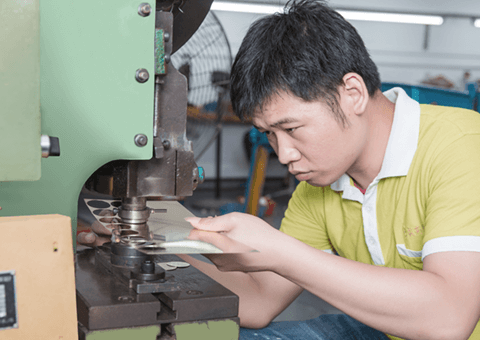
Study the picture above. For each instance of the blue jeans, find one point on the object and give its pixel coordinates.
(325, 327)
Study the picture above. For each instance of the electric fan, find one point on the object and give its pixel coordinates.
(205, 60)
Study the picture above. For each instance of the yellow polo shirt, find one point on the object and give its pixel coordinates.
(426, 198)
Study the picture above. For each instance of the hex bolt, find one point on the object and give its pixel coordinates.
(166, 144)
(142, 75)
(144, 9)
(141, 140)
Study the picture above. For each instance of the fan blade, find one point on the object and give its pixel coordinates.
(187, 20)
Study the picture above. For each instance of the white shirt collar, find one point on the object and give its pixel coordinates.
(401, 147)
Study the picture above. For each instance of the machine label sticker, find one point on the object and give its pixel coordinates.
(3, 302)
(8, 303)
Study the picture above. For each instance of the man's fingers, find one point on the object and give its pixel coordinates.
(91, 240)
(86, 239)
(220, 223)
(221, 241)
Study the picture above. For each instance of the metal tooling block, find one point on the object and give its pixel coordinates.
(107, 295)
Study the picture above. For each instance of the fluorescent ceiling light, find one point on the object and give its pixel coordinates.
(393, 17)
(349, 15)
(476, 23)
(246, 8)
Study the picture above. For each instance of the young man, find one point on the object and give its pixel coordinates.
(389, 185)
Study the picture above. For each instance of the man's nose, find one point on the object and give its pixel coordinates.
(287, 153)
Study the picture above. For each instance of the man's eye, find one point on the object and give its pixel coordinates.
(291, 130)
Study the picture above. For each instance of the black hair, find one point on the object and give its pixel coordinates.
(304, 51)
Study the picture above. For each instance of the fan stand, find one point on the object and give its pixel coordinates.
(211, 206)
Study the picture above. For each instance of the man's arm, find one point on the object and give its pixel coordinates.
(440, 302)
(263, 295)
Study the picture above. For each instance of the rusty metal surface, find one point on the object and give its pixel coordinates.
(106, 296)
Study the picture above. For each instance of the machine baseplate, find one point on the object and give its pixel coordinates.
(107, 299)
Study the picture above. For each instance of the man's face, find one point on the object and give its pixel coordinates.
(307, 138)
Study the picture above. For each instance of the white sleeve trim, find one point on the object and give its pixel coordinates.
(451, 243)
(328, 251)
(402, 250)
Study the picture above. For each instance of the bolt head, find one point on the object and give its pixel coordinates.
(166, 36)
(144, 9)
(141, 140)
(142, 75)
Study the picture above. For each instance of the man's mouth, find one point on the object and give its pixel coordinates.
(301, 176)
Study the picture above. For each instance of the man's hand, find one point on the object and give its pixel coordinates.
(249, 243)
(100, 233)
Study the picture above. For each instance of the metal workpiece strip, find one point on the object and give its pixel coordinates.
(166, 223)
(160, 51)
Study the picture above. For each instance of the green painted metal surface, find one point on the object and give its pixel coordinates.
(137, 333)
(20, 151)
(89, 53)
(209, 330)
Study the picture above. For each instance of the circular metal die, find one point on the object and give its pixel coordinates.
(144, 9)
(148, 267)
(141, 140)
(178, 264)
(124, 255)
(134, 216)
(157, 273)
(132, 240)
(142, 75)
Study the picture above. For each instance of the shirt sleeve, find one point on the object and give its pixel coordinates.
(304, 217)
(452, 221)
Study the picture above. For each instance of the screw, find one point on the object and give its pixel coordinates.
(166, 144)
(142, 75)
(141, 140)
(167, 58)
(144, 9)
(166, 36)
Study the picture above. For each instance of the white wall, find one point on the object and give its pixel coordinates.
(397, 49)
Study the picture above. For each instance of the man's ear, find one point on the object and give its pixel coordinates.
(354, 93)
